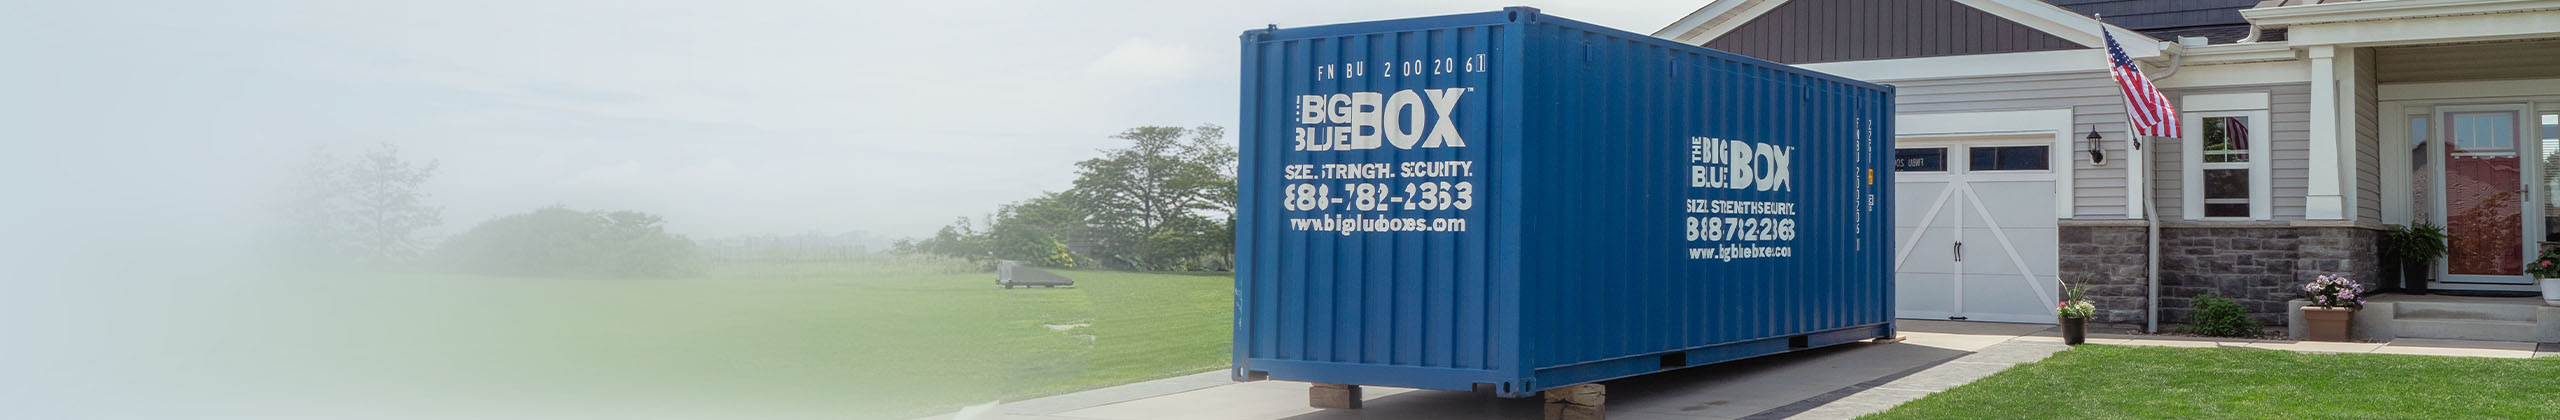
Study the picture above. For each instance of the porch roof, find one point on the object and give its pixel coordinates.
(2406, 22)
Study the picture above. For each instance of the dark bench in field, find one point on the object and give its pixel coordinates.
(1014, 273)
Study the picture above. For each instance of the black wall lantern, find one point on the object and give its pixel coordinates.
(2097, 153)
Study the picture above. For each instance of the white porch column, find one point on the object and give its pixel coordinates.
(2333, 143)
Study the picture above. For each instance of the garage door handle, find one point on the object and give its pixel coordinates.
(1959, 250)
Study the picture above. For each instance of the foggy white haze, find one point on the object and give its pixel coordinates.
(146, 150)
(728, 118)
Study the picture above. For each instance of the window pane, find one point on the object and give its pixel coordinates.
(2420, 183)
(2226, 183)
(1920, 160)
(2551, 126)
(2482, 131)
(2226, 210)
(2226, 139)
(2418, 132)
(2550, 174)
(2012, 158)
(2213, 138)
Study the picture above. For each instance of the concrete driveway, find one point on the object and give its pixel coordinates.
(1837, 382)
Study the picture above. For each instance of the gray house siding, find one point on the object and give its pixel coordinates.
(2097, 191)
(2289, 169)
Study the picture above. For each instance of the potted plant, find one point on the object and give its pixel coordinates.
(2546, 272)
(2334, 300)
(2075, 311)
(2415, 246)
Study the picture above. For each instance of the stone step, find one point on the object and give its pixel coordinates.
(2467, 329)
(2465, 311)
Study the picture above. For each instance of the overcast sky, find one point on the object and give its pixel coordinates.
(728, 117)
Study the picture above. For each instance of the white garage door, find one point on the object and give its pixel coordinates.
(1976, 226)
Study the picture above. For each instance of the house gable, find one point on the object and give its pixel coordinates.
(1800, 32)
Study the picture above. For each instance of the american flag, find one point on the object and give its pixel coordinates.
(2147, 108)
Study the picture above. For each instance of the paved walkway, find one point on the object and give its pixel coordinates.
(1839, 382)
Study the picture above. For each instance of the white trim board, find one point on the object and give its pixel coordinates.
(2055, 123)
(2277, 17)
(2467, 90)
(1966, 66)
(1734, 12)
(2192, 75)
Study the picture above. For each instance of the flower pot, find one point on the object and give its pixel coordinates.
(2550, 291)
(2327, 323)
(2413, 276)
(2075, 331)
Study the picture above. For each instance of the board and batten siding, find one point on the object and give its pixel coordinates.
(2289, 166)
(2097, 191)
(1801, 32)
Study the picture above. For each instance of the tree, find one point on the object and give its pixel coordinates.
(1167, 201)
(1164, 189)
(313, 231)
(366, 212)
(1036, 230)
(386, 207)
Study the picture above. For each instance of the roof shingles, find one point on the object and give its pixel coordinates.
(2217, 20)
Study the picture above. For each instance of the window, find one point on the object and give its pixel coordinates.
(2225, 164)
(2421, 183)
(2225, 158)
(2550, 141)
(1932, 159)
(2009, 158)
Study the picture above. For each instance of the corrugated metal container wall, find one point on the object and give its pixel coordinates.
(1528, 202)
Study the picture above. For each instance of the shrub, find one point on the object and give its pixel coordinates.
(557, 241)
(2218, 317)
(2418, 241)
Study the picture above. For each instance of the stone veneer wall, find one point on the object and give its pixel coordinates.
(2106, 259)
(2258, 264)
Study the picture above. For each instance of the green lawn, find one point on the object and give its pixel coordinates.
(880, 339)
(2101, 382)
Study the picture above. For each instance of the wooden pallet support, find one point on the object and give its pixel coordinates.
(1578, 402)
(1894, 339)
(1333, 396)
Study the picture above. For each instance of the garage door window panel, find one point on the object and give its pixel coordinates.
(1920, 159)
(2009, 158)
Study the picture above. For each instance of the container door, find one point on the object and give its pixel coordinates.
(1977, 230)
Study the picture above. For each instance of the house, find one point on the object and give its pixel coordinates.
(2309, 126)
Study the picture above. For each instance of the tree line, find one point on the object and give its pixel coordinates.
(369, 212)
(1166, 201)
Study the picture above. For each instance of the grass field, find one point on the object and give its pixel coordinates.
(2114, 382)
(882, 339)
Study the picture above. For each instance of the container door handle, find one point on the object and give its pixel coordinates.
(1959, 250)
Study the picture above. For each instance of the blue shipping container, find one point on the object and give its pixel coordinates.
(1525, 202)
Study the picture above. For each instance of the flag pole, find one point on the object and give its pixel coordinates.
(2150, 209)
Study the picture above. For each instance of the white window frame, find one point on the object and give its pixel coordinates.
(2261, 188)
